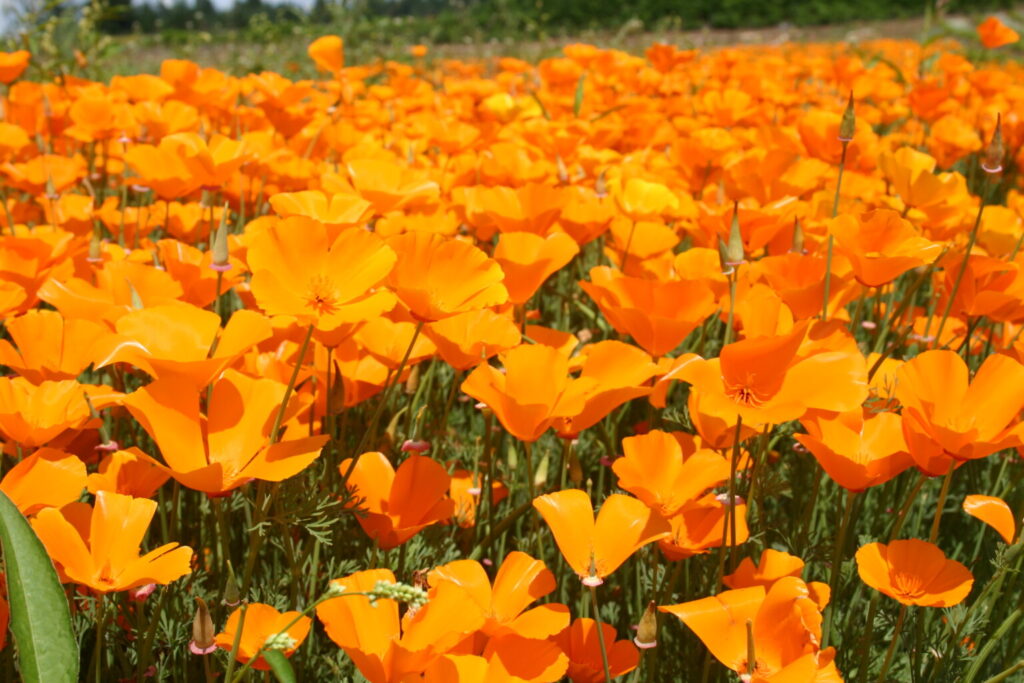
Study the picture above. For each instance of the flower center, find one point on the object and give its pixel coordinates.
(907, 584)
(321, 295)
(743, 395)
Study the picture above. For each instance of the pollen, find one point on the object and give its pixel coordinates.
(322, 295)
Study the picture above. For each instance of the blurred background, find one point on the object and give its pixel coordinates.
(253, 35)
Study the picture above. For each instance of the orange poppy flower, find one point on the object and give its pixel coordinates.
(510, 659)
(595, 549)
(881, 246)
(335, 212)
(99, 546)
(48, 347)
(13, 64)
(947, 417)
(655, 471)
(766, 380)
(772, 566)
(642, 200)
(328, 53)
(388, 342)
(913, 178)
(228, 447)
(520, 581)
(786, 626)
(296, 272)
(177, 341)
(533, 391)
(390, 186)
(398, 503)
(468, 339)
(580, 643)
(49, 478)
(657, 315)
(994, 33)
(914, 572)
(989, 509)
(262, 622)
(857, 451)
(130, 472)
(34, 416)
(422, 276)
(466, 493)
(701, 525)
(389, 649)
(528, 260)
(532, 208)
(619, 371)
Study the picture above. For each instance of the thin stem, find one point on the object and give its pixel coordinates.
(831, 240)
(837, 560)
(941, 503)
(275, 432)
(963, 269)
(600, 634)
(235, 643)
(892, 645)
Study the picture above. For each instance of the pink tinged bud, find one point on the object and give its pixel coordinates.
(415, 446)
(108, 447)
(202, 642)
(996, 150)
(475, 491)
(487, 562)
(196, 650)
(592, 581)
(142, 592)
(868, 324)
(723, 498)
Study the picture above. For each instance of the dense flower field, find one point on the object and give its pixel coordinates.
(674, 367)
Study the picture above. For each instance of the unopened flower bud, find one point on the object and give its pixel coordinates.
(220, 244)
(415, 446)
(848, 125)
(647, 630)
(798, 237)
(993, 162)
(142, 592)
(731, 252)
(202, 631)
(95, 249)
(231, 594)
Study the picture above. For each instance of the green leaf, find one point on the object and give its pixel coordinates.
(40, 617)
(280, 665)
(577, 105)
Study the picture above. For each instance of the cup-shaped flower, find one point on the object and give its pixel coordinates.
(230, 446)
(948, 416)
(532, 392)
(263, 625)
(914, 572)
(398, 503)
(297, 272)
(437, 277)
(580, 642)
(595, 549)
(99, 546)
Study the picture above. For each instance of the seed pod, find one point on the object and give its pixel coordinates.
(993, 162)
(798, 237)
(220, 244)
(848, 126)
(647, 630)
(202, 631)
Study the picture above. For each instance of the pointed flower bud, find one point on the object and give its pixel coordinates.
(732, 251)
(220, 245)
(798, 237)
(95, 248)
(202, 631)
(231, 594)
(647, 630)
(993, 162)
(848, 125)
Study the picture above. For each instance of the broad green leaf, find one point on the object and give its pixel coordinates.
(40, 617)
(280, 665)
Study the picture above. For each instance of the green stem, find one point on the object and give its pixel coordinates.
(831, 240)
(941, 503)
(600, 634)
(275, 432)
(837, 560)
(963, 269)
(892, 645)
